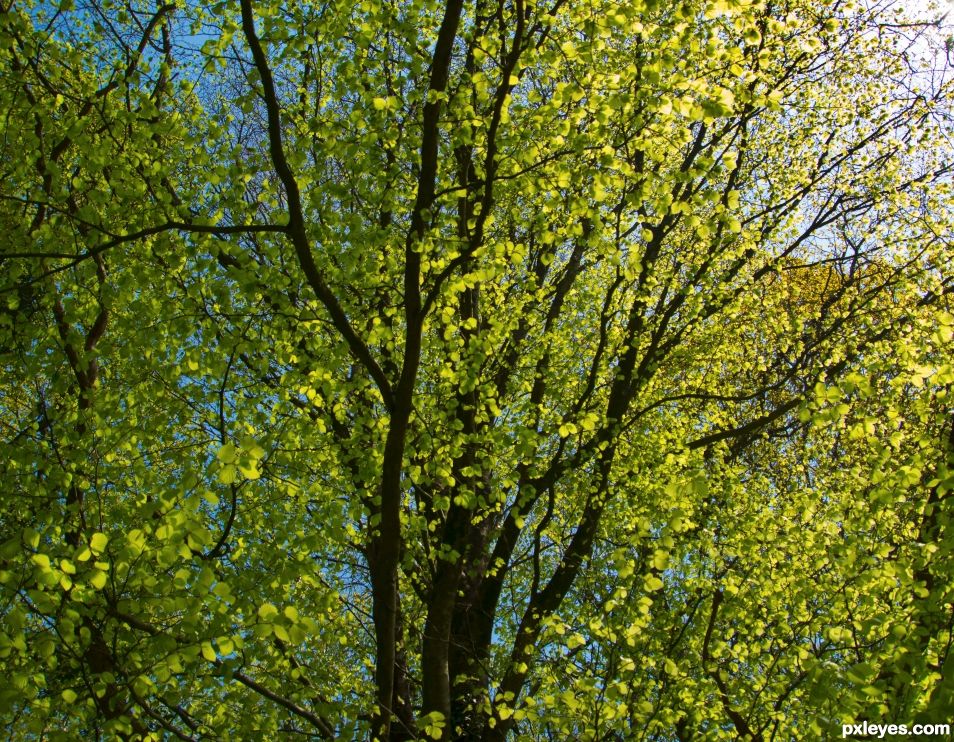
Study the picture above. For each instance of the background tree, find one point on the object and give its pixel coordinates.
(470, 370)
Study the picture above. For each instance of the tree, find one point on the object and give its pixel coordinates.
(456, 371)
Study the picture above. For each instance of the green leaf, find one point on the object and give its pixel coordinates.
(227, 454)
(228, 474)
(98, 542)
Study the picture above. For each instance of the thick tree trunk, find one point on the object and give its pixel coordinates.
(435, 654)
(383, 558)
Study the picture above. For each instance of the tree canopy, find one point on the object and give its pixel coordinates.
(500, 369)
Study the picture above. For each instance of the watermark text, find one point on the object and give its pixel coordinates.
(867, 729)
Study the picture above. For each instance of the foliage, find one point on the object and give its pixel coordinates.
(471, 370)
